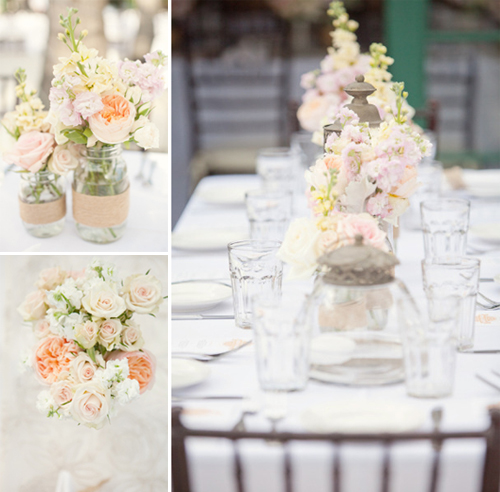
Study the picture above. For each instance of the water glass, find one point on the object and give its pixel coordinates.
(445, 223)
(429, 345)
(309, 151)
(278, 168)
(255, 269)
(269, 213)
(458, 277)
(282, 337)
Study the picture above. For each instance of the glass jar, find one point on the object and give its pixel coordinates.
(355, 320)
(101, 194)
(42, 203)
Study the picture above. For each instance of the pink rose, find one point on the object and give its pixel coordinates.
(408, 184)
(112, 125)
(365, 225)
(142, 366)
(61, 392)
(31, 151)
(63, 160)
(34, 306)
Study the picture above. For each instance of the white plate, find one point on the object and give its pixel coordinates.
(207, 239)
(187, 372)
(482, 184)
(487, 232)
(360, 416)
(234, 195)
(197, 296)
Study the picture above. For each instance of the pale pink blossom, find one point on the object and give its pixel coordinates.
(88, 104)
(31, 151)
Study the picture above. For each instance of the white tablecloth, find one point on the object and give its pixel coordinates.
(147, 226)
(130, 454)
(235, 374)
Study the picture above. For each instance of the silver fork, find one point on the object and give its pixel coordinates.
(491, 304)
(207, 357)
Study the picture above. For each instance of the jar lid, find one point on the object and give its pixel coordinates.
(358, 264)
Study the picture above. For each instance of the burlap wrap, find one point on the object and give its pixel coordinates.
(43, 213)
(101, 211)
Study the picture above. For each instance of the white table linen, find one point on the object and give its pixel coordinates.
(147, 224)
(235, 374)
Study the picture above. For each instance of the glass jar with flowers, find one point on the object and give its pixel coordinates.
(100, 105)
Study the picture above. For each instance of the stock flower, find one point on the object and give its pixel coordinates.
(147, 136)
(87, 104)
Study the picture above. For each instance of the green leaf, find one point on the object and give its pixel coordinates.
(75, 136)
(91, 353)
(148, 271)
(88, 132)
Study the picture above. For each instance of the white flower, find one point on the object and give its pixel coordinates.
(147, 136)
(299, 248)
(34, 306)
(45, 403)
(50, 278)
(142, 293)
(86, 333)
(103, 270)
(90, 405)
(116, 371)
(109, 333)
(82, 368)
(126, 391)
(132, 337)
(63, 160)
(65, 296)
(134, 95)
(103, 301)
(62, 393)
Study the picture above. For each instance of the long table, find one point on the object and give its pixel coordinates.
(235, 375)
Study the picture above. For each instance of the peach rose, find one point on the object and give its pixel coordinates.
(142, 366)
(408, 184)
(367, 226)
(61, 392)
(34, 306)
(52, 357)
(112, 125)
(142, 293)
(50, 278)
(312, 112)
(90, 405)
(31, 151)
(109, 333)
(41, 328)
(332, 161)
(328, 241)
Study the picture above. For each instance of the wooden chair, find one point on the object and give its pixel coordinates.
(491, 436)
(7, 94)
(238, 74)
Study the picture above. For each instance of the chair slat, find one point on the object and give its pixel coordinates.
(238, 471)
(288, 468)
(386, 470)
(337, 472)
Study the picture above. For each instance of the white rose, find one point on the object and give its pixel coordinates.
(41, 328)
(50, 278)
(82, 368)
(62, 393)
(312, 112)
(62, 160)
(90, 405)
(109, 333)
(142, 293)
(34, 306)
(86, 334)
(102, 301)
(148, 136)
(134, 94)
(299, 248)
(132, 337)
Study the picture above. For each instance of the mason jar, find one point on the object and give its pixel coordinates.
(101, 194)
(42, 203)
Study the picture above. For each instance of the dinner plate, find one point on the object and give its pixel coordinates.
(234, 195)
(198, 295)
(207, 239)
(482, 184)
(187, 372)
(489, 232)
(362, 416)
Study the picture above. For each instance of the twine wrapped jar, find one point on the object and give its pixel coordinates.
(42, 203)
(101, 194)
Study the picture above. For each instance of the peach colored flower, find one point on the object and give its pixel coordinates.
(142, 367)
(312, 112)
(31, 151)
(408, 184)
(112, 125)
(332, 161)
(132, 337)
(50, 278)
(34, 306)
(82, 369)
(53, 356)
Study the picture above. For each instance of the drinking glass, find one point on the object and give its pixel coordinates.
(255, 269)
(278, 168)
(445, 223)
(269, 213)
(429, 345)
(458, 277)
(308, 151)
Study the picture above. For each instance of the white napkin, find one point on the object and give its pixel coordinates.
(65, 482)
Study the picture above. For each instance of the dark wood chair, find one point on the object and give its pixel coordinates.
(491, 436)
(7, 94)
(238, 74)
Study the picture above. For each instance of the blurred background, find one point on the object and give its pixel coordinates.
(237, 64)
(117, 28)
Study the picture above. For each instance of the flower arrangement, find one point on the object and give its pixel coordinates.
(94, 101)
(325, 95)
(89, 350)
(34, 148)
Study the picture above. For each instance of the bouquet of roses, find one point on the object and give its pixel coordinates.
(325, 95)
(89, 350)
(95, 101)
(34, 148)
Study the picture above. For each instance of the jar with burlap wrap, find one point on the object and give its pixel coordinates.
(42, 203)
(101, 194)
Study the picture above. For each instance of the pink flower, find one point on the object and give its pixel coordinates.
(142, 367)
(58, 97)
(408, 184)
(68, 115)
(308, 80)
(150, 81)
(87, 104)
(31, 151)
(366, 226)
(378, 205)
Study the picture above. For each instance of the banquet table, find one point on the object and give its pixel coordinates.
(234, 374)
(147, 225)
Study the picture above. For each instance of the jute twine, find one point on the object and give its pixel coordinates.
(101, 211)
(43, 213)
